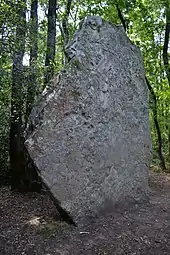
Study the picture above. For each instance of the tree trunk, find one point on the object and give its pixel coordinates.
(166, 43)
(65, 30)
(166, 60)
(21, 178)
(155, 117)
(32, 85)
(65, 22)
(121, 17)
(16, 125)
(51, 41)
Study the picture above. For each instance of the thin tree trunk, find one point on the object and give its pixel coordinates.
(32, 85)
(121, 17)
(16, 125)
(23, 176)
(51, 40)
(155, 118)
(64, 28)
(65, 22)
(32, 180)
(166, 43)
(166, 60)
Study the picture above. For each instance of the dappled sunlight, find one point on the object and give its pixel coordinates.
(85, 130)
(29, 227)
(167, 178)
(47, 226)
(43, 223)
(35, 221)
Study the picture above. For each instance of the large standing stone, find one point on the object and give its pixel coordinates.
(89, 134)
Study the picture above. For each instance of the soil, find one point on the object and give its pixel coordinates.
(29, 225)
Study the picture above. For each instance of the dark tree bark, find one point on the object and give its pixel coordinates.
(65, 22)
(155, 118)
(32, 85)
(121, 17)
(65, 30)
(166, 43)
(23, 178)
(16, 125)
(51, 40)
(166, 58)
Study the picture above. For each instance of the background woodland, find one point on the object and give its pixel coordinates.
(33, 36)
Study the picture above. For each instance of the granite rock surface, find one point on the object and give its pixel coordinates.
(89, 133)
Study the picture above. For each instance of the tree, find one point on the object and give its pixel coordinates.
(16, 122)
(32, 86)
(51, 40)
(8, 19)
(155, 118)
(166, 59)
(65, 29)
(23, 174)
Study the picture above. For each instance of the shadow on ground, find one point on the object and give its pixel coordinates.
(29, 225)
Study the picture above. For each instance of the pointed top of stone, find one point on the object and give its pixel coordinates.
(90, 135)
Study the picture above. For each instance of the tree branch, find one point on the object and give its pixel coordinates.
(65, 22)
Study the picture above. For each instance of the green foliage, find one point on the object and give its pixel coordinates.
(145, 23)
(5, 93)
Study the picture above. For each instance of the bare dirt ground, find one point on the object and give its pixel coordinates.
(27, 226)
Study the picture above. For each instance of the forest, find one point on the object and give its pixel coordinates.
(33, 38)
(34, 35)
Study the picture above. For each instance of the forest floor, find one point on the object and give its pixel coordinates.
(28, 226)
